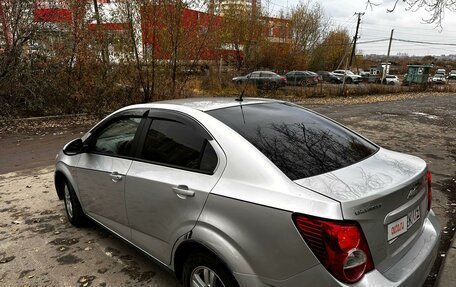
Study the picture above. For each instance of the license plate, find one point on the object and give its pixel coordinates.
(403, 224)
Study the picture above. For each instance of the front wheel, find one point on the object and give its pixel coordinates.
(204, 270)
(72, 206)
(348, 81)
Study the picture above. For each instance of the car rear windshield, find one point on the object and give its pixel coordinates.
(299, 142)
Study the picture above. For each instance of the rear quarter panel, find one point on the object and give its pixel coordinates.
(253, 239)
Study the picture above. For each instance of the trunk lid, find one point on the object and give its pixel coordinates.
(386, 194)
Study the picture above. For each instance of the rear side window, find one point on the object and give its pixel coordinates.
(300, 143)
(174, 143)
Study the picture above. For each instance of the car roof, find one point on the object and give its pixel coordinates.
(206, 104)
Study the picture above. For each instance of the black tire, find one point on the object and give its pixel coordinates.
(273, 86)
(303, 83)
(348, 81)
(73, 208)
(199, 261)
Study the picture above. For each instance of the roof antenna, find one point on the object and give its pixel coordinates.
(240, 99)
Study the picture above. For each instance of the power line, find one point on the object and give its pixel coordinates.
(424, 42)
(373, 41)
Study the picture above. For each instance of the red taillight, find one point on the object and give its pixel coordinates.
(283, 79)
(429, 189)
(339, 245)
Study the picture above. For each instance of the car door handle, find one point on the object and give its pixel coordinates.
(183, 192)
(115, 176)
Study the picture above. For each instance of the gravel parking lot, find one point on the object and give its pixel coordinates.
(38, 247)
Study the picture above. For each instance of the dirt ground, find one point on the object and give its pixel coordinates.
(38, 247)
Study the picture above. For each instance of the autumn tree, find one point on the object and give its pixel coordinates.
(18, 27)
(329, 54)
(309, 26)
(17, 83)
(242, 31)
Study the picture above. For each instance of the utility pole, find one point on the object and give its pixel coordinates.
(386, 69)
(355, 39)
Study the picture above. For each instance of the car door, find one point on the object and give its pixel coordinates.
(301, 78)
(266, 79)
(178, 165)
(102, 169)
(290, 77)
(255, 78)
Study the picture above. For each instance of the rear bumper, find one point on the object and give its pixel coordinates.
(411, 270)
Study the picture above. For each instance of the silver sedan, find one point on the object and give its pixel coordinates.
(253, 193)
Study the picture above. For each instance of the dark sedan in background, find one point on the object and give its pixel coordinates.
(302, 78)
(329, 77)
(262, 79)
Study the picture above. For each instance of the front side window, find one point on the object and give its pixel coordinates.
(117, 137)
(176, 144)
(300, 143)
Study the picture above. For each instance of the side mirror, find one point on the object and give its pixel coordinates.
(74, 147)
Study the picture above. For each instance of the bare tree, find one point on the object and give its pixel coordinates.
(436, 8)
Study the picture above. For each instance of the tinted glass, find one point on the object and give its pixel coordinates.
(174, 143)
(255, 75)
(299, 142)
(117, 137)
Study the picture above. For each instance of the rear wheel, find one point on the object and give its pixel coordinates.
(204, 270)
(272, 85)
(72, 206)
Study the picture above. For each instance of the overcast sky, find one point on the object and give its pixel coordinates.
(377, 24)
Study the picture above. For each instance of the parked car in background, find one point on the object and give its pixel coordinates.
(439, 79)
(316, 75)
(253, 192)
(365, 76)
(262, 80)
(302, 78)
(391, 80)
(330, 77)
(440, 72)
(350, 77)
(452, 75)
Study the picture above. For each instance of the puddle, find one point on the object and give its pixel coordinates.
(134, 273)
(69, 259)
(25, 273)
(429, 116)
(64, 241)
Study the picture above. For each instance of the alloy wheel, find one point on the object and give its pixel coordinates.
(68, 204)
(204, 277)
